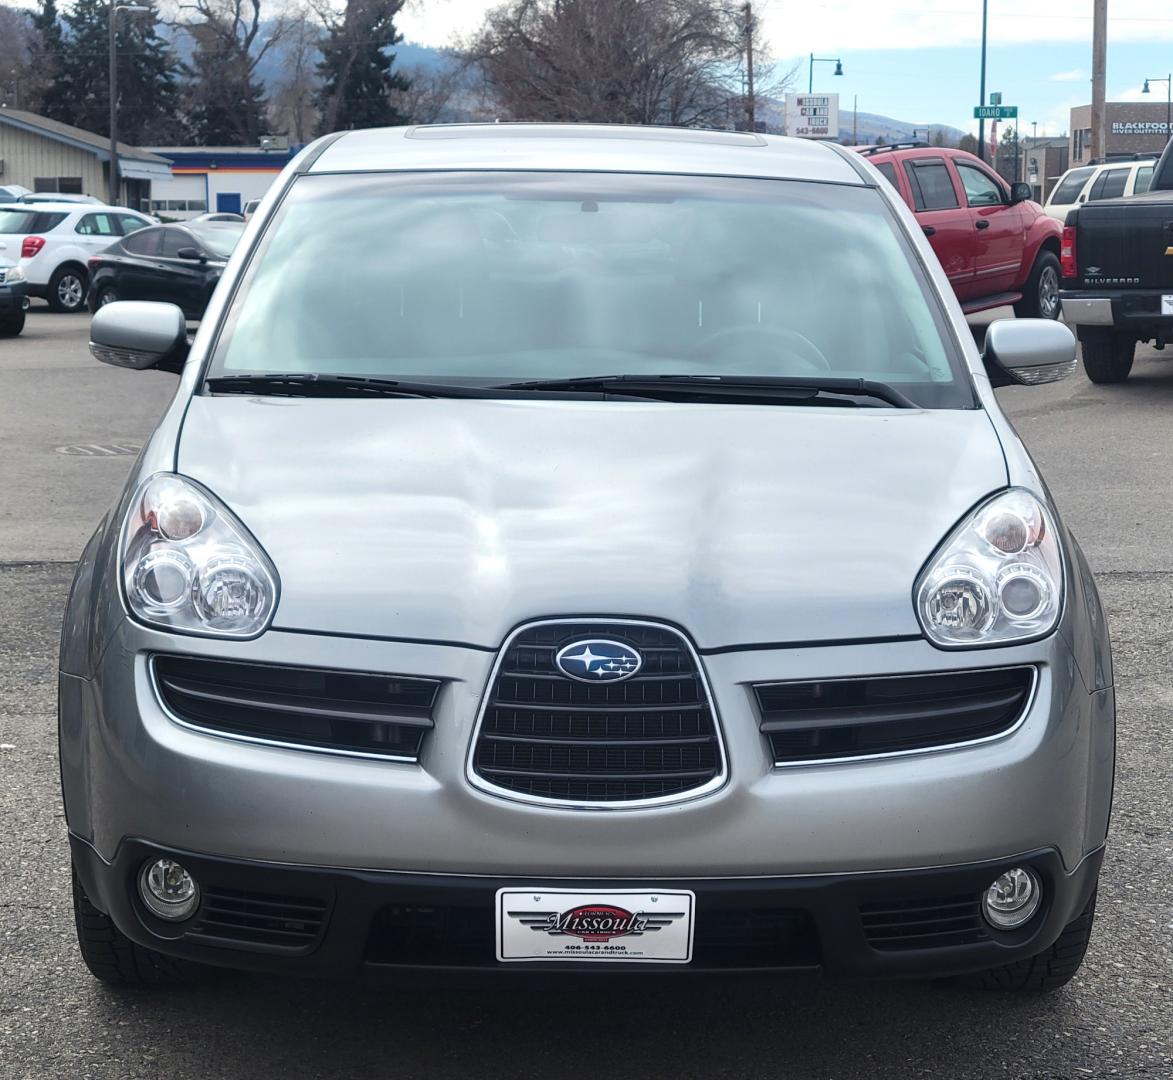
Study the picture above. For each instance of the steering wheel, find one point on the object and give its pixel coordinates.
(754, 339)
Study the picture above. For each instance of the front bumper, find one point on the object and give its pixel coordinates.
(128, 771)
(14, 298)
(326, 921)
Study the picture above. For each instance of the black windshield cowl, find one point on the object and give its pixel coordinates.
(301, 384)
(754, 388)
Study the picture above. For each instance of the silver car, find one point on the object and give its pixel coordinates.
(577, 547)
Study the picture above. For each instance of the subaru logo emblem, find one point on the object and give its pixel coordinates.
(593, 660)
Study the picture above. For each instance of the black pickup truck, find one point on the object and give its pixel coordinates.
(1117, 265)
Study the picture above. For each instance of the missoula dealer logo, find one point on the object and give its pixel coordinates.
(595, 922)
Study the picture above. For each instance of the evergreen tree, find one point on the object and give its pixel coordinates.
(226, 105)
(48, 61)
(225, 99)
(356, 68)
(147, 93)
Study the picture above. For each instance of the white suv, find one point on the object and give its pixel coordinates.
(1090, 183)
(54, 240)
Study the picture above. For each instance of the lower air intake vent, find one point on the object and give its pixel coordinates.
(548, 735)
(248, 918)
(933, 923)
(309, 708)
(844, 718)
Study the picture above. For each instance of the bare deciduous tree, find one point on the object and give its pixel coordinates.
(226, 98)
(292, 106)
(19, 85)
(436, 95)
(614, 61)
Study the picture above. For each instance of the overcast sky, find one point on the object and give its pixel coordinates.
(918, 59)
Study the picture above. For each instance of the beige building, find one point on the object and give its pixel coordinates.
(47, 155)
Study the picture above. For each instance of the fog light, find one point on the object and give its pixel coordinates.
(168, 890)
(1012, 899)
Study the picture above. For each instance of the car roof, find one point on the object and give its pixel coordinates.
(70, 208)
(899, 151)
(583, 148)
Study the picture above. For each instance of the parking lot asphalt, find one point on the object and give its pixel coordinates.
(1107, 453)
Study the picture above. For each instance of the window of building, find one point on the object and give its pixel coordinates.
(66, 185)
(171, 206)
(932, 187)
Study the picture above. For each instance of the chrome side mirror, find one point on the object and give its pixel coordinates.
(1028, 352)
(139, 334)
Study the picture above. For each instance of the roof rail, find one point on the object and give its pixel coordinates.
(867, 151)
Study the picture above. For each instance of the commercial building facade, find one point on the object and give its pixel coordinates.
(1132, 127)
(48, 156)
(214, 179)
(1044, 161)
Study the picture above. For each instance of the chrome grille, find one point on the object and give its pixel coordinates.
(547, 737)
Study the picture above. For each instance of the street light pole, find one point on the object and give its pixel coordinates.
(1168, 81)
(982, 92)
(751, 122)
(810, 87)
(112, 176)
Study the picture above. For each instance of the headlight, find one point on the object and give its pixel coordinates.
(13, 275)
(998, 578)
(189, 565)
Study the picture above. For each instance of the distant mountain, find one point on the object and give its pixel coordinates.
(870, 126)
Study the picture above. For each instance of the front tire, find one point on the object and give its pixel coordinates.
(67, 289)
(116, 960)
(1040, 297)
(1050, 969)
(12, 325)
(1107, 355)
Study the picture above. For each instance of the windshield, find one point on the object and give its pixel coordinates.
(219, 239)
(494, 277)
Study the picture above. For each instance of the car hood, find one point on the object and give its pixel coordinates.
(456, 520)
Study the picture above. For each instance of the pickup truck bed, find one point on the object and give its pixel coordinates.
(1117, 265)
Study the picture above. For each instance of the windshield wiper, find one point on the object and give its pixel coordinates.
(300, 384)
(725, 386)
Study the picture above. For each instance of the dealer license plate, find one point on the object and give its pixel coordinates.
(623, 925)
(1167, 304)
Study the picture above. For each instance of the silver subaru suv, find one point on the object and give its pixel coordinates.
(576, 548)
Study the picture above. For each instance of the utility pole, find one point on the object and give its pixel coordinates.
(982, 93)
(750, 120)
(112, 177)
(112, 168)
(855, 119)
(1099, 73)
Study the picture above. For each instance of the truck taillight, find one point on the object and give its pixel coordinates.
(1067, 262)
(31, 245)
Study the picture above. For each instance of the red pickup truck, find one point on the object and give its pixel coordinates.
(994, 242)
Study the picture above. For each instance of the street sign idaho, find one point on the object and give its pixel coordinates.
(995, 112)
(812, 116)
